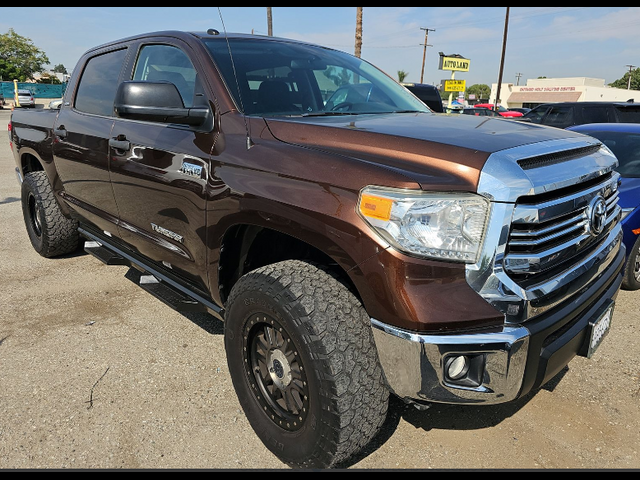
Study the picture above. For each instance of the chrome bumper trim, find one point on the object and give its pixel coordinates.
(414, 364)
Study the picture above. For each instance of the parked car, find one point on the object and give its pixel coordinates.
(480, 112)
(428, 94)
(568, 114)
(623, 139)
(25, 99)
(501, 110)
(522, 110)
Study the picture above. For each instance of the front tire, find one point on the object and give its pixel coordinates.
(51, 233)
(304, 365)
(631, 280)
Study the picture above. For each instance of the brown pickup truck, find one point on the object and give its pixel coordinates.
(355, 243)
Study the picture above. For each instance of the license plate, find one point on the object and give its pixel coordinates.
(599, 330)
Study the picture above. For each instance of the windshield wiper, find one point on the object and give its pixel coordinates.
(328, 114)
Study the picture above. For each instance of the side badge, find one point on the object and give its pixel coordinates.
(191, 170)
(167, 233)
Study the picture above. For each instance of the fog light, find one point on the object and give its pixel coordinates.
(457, 367)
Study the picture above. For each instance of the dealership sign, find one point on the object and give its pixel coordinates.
(454, 85)
(454, 63)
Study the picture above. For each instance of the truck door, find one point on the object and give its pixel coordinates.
(159, 172)
(80, 149)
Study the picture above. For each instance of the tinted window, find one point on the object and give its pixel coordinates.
(629, 114)
(559, 116)
(625, 146)
(536, 115)
(99, 82)
(429, 95)
(595, 114)
(165, 63)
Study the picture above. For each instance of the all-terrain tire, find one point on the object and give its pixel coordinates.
(304, 365)
(51, 233)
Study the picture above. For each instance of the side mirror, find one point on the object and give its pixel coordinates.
(156, 102)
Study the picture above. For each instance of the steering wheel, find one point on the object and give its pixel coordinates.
(346, 106)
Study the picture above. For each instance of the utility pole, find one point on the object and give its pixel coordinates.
(504, 49)
(270, 21)
(518, 77)
(629, 81)
(424, 55)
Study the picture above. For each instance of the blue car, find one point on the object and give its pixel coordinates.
(623, 139)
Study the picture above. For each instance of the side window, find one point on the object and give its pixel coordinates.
(157, 63)
(595, 114)
(559, 116)
(536, 115)
(99, 82)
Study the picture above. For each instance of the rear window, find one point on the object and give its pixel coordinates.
(629, 114)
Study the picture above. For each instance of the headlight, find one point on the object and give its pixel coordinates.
(444, 226)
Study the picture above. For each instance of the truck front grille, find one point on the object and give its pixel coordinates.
(552, 232)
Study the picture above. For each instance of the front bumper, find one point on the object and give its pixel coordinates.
(507, 363)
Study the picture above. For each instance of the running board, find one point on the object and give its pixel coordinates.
(105, 255)
(149, 278)
(164, 292)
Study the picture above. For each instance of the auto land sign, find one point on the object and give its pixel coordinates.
(454, 63)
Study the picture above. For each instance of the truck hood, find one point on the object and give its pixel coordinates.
(437, 150)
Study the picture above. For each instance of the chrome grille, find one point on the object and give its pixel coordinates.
(554, 231)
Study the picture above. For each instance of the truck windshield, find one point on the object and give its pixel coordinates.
(281, 78)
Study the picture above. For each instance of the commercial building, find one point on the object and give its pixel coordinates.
(553, 90)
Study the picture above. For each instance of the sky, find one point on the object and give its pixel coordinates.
(552, 42)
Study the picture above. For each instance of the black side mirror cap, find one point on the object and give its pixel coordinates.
(156, 102)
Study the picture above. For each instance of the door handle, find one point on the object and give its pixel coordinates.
(120, 143)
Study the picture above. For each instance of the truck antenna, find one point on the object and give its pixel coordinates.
(235, 74)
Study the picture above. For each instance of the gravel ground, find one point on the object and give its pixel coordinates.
(97, 374)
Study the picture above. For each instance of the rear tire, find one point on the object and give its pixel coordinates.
(51, 233)
(304, 365)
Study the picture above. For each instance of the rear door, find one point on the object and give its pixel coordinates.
(159, 170)
(80, 149)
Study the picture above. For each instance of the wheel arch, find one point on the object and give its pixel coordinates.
(30, 162)
(247, 247)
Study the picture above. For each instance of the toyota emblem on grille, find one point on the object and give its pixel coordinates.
(597, 215)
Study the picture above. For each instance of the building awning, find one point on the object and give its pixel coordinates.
(543, 97)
